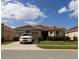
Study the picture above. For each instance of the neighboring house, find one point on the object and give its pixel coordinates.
(40, 31)
(72, 32)
(7, 33)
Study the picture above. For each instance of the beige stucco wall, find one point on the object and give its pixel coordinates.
(73, 34)
(9, 34)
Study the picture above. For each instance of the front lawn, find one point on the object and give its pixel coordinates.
(58, 44)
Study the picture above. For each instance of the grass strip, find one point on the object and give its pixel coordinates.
(58, 46)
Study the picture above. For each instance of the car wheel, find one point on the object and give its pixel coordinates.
(20, 42)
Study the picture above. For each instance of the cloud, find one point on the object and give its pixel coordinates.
(31, 22)
(63, 9)
(4, 21)
(73, 6)
(17, 10)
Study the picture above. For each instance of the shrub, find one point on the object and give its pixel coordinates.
(67, 38)
(58, 38)
(75, 38)
(55, 38)
(16, 39)
(41, 39)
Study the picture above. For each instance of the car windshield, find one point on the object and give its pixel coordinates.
(27, 34)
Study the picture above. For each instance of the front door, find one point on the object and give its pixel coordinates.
(45, 34)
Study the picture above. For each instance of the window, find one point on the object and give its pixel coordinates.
(57, 33)
(27, 34)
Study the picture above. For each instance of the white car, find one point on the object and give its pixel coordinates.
(26, 38)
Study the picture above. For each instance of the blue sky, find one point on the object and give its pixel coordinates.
(47, 12)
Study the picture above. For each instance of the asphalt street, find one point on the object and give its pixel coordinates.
(39, 54)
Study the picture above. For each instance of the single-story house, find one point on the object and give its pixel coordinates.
(37, 31)
(72, 32)
(7, 33)
(40, 31)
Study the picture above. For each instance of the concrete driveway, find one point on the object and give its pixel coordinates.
(18, 46)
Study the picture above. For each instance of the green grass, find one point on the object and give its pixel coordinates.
(58, 44)
(7, 42)
(59, 47)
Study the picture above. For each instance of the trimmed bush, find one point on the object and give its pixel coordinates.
(55, 38)
(41, 39)
(75, 38)
(58, 38)
(67, 38)
(16, 39)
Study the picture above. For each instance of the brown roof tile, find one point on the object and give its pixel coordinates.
(41, 27)
(75, 28)
(5, 27)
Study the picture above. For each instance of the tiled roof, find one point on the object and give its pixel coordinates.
(5, 27)
(75, 28)
(41, 27)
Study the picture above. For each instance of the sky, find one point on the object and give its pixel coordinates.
(16, 13)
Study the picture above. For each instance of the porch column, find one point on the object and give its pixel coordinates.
(60, 33)
(54, 33)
